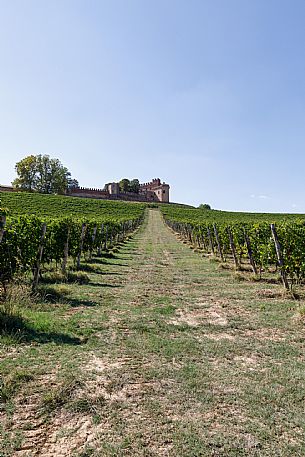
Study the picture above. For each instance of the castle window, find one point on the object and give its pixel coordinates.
(164, 191)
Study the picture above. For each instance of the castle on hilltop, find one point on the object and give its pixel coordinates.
(153, 191)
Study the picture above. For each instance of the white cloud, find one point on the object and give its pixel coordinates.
(264, 197)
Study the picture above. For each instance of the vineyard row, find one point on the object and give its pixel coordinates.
(28, 243)
(266, 247)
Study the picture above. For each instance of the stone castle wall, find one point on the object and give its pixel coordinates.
(7, 189)
(153, 191)
(88, 192)
(105, 195)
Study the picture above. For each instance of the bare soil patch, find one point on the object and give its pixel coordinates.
(204, 313)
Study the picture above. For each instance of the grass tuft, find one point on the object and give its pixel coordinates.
(53, 294)
(238, 276)
(60, 395)
(214, 259)
(86, 405)
(56, 277)
(18, 297)
(11, 384)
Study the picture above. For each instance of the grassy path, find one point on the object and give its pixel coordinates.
(161, 354)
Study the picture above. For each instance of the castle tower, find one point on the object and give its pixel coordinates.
(114, 188)
(157, 189)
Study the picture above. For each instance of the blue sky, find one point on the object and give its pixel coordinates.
(208, 95)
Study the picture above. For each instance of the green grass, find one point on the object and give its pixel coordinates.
(10, 384)
(62, 395)
(160, 353)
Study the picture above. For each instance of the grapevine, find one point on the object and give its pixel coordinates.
(251, 238)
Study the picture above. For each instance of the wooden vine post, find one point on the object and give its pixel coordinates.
(198, 241)
(210, 240)
(2, 225)
(106, 238)
(39, 257)
(82, 237)
(250, 253)
(66, 253)
(99, 249)
(203, 240)
(93, 241)
(185, 233)
(232, 246)
(123, 231)
(189, 231)
(279, 256)
(218, 242)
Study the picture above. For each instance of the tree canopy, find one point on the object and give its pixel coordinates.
(204, 206)
(43, 174)
(124, 185)
(134, 186)
(129, 186)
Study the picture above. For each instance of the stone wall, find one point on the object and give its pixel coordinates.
(153, 191)
(105, 195)
(88, 192)
(8, 189)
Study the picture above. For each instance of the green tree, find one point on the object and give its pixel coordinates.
(26, 171)
(134, 186)
(42, 174)
(124, 185)
(204, 206)
(72, 183)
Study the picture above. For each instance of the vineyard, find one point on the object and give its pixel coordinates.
(55, 206)
(267, 242)
(117, 339)
(37, 231)
(42, 230)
